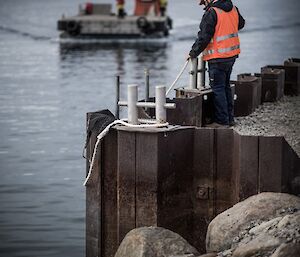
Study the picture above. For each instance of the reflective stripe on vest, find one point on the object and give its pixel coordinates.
(225, 42)
(221, 38)
(222, 50)
(226, 50)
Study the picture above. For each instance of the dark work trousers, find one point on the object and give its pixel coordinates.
(219, 76)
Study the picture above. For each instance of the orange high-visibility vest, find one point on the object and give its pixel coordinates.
(225, 42)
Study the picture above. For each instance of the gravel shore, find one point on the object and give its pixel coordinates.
(280, 118)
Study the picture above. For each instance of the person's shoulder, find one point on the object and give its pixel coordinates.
(236, 8)
(210, 13)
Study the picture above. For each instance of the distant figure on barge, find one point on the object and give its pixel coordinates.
(120, 8)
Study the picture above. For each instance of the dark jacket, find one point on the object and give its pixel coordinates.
(207, 28)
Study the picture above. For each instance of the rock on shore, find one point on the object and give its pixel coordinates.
(155, 242)
(263, 225)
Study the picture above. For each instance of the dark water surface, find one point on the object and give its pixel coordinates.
(47, 87)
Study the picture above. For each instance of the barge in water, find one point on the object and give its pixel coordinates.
(96, 21)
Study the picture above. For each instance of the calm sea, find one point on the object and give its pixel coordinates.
(46, 88)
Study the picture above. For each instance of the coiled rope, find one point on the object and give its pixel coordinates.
(106, 130)
(122, 122)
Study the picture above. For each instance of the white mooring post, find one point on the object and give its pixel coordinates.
(193, 72)
(132, 107)
(201, 72)
(160, 101)
(160, 105)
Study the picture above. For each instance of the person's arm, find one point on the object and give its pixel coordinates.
(241, 20)
(206, 33)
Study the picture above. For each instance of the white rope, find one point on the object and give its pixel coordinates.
(177, 78)
(122, 122)
(106, 130)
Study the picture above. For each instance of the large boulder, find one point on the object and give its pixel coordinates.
(154, 242)
(287, 250)
(262, 224)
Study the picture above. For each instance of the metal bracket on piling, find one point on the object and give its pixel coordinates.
(160, 105)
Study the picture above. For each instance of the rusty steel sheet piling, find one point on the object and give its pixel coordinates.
(245, 166)
(248, 91)
(279, 166)
(291, 68)
(178, 178)
(272, 84)
(188, 111)
(204, 198)
(292, 76)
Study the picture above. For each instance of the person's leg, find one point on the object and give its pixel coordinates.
(230, 103)
(217, 77)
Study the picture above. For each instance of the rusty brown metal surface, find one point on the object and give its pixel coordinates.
(292, 76)
(203, 184)
(272, 84)
(93, 202)
(270, 164)
(245, 166)
(257, 99)
(188, 111)
(290, 169)
(109, 218)
(178, 178)
(175, 178)
(146, 179)
(126, 183)
(248, 91)
(224, 169)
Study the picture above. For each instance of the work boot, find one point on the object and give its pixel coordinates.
(216, 125)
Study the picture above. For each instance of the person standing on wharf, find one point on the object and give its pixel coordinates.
(219, 42)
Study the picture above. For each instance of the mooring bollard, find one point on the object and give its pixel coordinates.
(132, 107)
(193, 73)
(160, 101)
(201, 72)
(160, 105)
(147, 85)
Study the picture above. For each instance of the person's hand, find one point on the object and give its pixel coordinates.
(188, 57)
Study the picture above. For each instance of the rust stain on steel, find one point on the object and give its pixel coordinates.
(224, 163)
(175, 178)
(270, 164)
(203, 179)
(188, 111)
(126, 183)
(179, 179)
(109, 195)
(248, 91)
(93, 202)
(245, 166)
(292, 76)
(291, 169)
(272, 84)
(146, 179)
